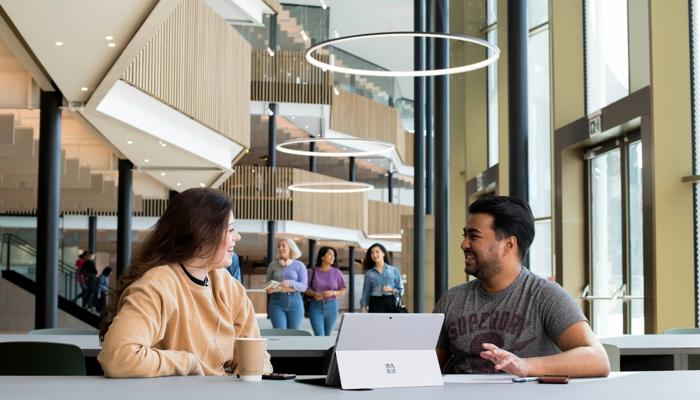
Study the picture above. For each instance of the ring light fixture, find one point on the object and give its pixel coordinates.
(494, 54)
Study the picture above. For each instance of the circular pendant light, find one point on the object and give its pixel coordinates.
(331, 187)
(384, 236)
(380, 147)
(493, 51)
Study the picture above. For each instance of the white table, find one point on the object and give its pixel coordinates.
(678, 346)
(278, 346)
(676, 385)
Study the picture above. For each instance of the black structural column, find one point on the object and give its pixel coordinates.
(419, 159)
(272, 39)
(390, 185)
(429, 81)
(271, 229)
(48, 209)
(272, 135)
(92, 234)
(517, 99)
(124, 210)
(312, 242)
(352, 177)
(271, 162)
(312, 160)
(272, 139)
(442, 149)
(352, 171)
(312, 253)
(351, 279)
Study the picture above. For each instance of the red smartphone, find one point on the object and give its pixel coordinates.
(276, 376)
(557, 379)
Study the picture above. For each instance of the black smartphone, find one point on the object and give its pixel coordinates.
(276, 376)
(557, 379)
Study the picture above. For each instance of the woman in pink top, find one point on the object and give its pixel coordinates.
(326, 284)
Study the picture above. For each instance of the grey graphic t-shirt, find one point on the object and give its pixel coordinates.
(525, 319)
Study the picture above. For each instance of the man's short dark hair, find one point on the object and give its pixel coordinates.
(511, 217)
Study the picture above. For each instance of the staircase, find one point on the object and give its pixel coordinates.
(23, 274)
(289, 37)
(82, 190)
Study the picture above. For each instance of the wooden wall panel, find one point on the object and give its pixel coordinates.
(287, 77)
(347, 210)
(408, 156)
(199, 65)
(364, 118)
(260, 192)
(385, 218)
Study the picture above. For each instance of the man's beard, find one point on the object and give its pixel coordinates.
(484, 268)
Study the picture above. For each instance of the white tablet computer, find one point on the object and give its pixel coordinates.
(386, 350)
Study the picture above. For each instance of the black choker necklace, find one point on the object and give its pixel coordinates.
(199, 282)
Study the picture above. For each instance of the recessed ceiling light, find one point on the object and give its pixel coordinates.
(84, 89)
(147, 160)
(306, 127)
(163, 144)
(162, 174)
(293, 117)
(109, 37)
(129, 142)
(179, 184)
(202, 184)
(59, 44)
(111, 44)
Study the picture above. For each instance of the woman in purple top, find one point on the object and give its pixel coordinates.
(326, 284)
(286, 307)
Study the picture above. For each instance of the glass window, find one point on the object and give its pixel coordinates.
(539, 148)
(695, 60)
(492, 95)
(636, 238)
(492, 86)
(539, 143)
(607, 55)
(491, 12)
(537, 12)
(606, 243)
(541, 250)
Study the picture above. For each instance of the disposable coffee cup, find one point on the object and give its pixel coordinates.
(251, 358)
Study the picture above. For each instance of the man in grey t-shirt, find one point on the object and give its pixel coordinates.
(510, 319)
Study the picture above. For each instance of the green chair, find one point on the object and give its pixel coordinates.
(41, 358)
(63, 331)
(284, 332)
(613, 356)
(682, 331)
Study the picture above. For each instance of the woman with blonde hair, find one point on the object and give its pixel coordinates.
(177, 310)
(286, 307)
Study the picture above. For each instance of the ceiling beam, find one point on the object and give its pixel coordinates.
(18, 47)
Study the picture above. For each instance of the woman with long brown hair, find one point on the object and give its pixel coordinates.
(383, 285)
(177, 311)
